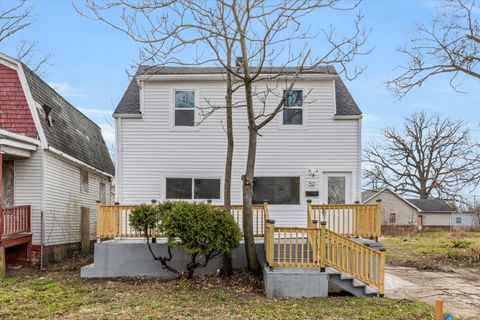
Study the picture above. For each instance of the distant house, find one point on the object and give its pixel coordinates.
(53, 160)
(424, 214)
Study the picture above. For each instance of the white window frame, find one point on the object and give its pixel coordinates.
(287, 175)
(81, 181)
(304, 112)
(456, 220)
(195, 127)
(192, 177)
(348, 184)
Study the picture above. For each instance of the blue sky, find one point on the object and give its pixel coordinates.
(89, 62)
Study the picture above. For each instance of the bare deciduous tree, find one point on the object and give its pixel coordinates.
(256, 34)
(450, 44)
(14, 19)
(429, 157)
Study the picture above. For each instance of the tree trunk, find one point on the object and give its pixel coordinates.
(248, 192)
(227, 268)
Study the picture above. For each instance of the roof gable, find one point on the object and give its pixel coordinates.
(70, 131)
(130, 102)
(386, 189)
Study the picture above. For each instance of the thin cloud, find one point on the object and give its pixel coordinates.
(66, 90)
(371, 117)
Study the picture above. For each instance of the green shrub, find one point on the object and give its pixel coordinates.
(200, 230)
(144, 218)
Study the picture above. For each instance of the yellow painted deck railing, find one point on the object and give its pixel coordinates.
(318, 247)
(351, 220)
(113, 220)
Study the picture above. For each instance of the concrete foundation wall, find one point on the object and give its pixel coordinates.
(131, 258)
(295, 282)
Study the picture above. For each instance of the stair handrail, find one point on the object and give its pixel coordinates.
(355, 259)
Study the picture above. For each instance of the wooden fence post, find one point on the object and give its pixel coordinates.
(266, 215)
(382, 273)
(323, 245)
(154, 232)
(271, 243)
(439, 310)
(378, 219)
(99, 222)
(315, 241)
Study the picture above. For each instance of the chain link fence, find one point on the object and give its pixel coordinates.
(66, 245)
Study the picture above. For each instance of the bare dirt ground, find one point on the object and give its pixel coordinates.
(458, 288)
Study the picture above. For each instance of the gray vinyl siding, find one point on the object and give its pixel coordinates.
(150, 149)
(28, 188)
(63, 200)
(406, 214)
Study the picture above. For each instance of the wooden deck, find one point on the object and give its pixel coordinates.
(15, 230)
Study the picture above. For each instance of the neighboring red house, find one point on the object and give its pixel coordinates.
(53, 160)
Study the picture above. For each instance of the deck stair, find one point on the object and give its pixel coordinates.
(330, 246)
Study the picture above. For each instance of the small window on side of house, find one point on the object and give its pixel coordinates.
(458, 220)
(184, 108)
(392, 219)
(102, 190)
(83, 181)
(293, 108)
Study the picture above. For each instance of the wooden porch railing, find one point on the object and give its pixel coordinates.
(351, 220)
(14, 220)
(319, 247)
(260, 215)
(113, 220)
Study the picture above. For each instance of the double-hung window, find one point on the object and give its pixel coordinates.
(184, 108)
(293, 108)
(193, 188)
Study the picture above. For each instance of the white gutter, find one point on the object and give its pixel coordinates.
(76, 161)
(347, 117)
(127, 115)
(20, 137)
(221, 76)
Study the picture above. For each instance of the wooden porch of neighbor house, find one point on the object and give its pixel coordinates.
(15, 219)
(331, 241)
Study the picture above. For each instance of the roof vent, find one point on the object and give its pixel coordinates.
(48, 116)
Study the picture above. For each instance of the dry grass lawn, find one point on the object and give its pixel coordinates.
(66, 296)
(434, 250)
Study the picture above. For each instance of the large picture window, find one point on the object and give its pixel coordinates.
(277, 190)
(185, 108)
(193, 188)
(336, 190)
(293, 109)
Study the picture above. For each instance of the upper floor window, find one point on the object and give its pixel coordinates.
(293, 108)
(184, 108)
(84, 181)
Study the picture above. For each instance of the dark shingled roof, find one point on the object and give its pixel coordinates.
(431, 205)
(130, 102)
(71, 131)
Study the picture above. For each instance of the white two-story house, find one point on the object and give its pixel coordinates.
(166, 149)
